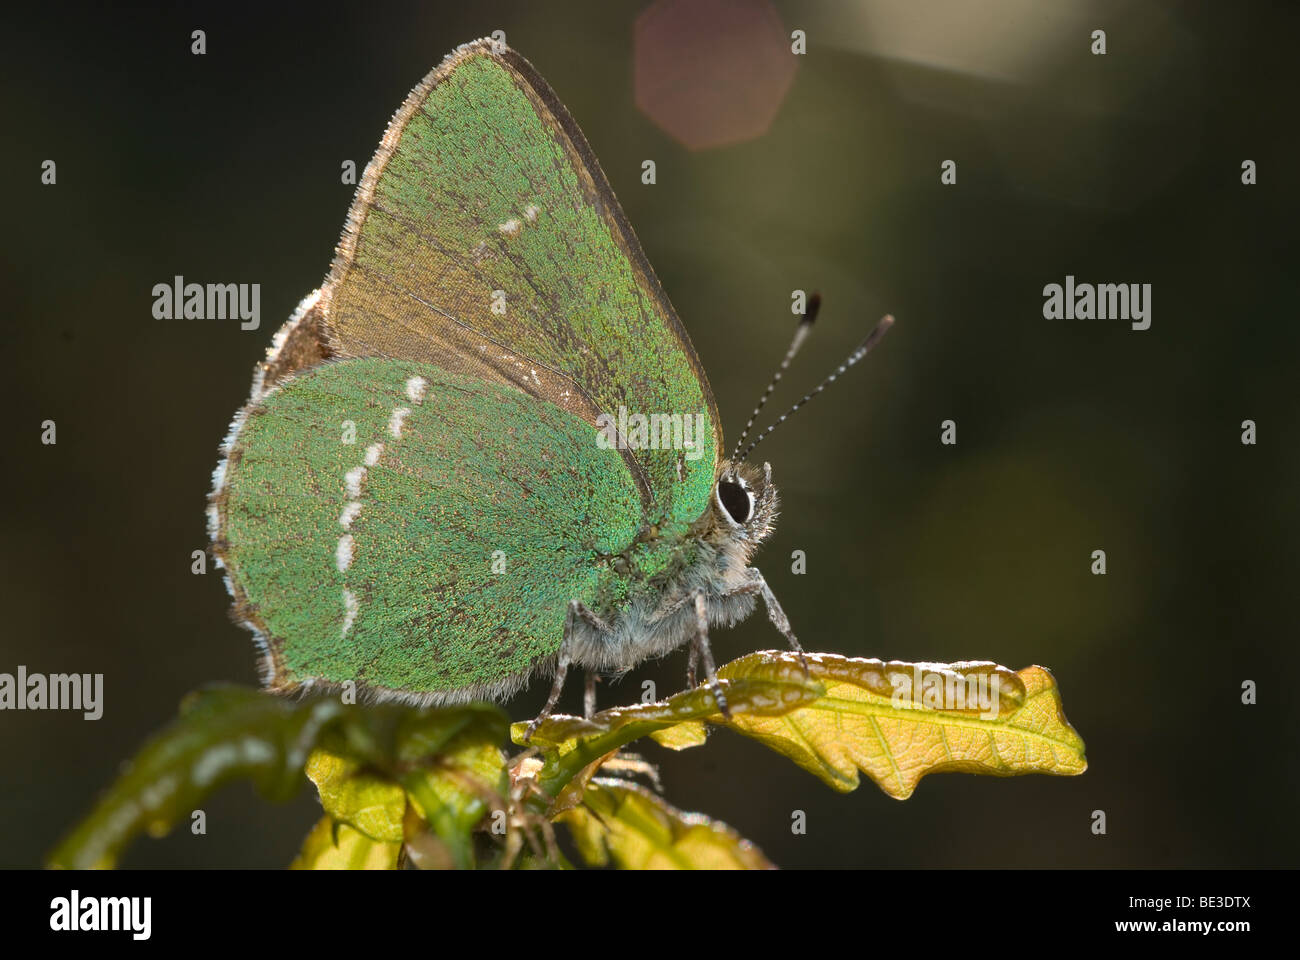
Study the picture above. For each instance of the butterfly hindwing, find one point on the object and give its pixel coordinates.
(438, 550)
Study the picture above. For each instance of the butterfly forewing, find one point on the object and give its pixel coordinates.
(485, 239)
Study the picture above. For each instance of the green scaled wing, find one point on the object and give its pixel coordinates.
(484, 238)
(431, 553)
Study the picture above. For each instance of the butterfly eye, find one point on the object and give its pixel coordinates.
(735, 499)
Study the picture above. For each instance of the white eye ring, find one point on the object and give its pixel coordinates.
(732, 504)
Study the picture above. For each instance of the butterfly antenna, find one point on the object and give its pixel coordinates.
(861, 351)
(800, 334)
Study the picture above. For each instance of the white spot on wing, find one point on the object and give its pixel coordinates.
(343, 553)
(352, 482)
(531, 213)
(510, 227)
(350, 513)
(372, 453)
(415, 388)
(395, 421)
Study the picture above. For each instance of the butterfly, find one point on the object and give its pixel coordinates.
(485, 448)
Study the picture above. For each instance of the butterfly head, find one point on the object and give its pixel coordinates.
(745, 501)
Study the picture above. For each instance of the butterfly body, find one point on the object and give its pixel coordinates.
(416, 497)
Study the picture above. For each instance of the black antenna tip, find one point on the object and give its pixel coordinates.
(814, 305)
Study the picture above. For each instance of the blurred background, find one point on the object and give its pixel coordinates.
(775, 172)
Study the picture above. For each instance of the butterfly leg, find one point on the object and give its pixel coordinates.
(700, 650)
(758, 584)
(589, 694)
(577, 610)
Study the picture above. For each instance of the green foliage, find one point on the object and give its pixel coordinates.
(228, 733)
(432, 788)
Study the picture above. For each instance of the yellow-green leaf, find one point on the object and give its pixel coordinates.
(336, 846)
(453, 795)
(899, 721)
(628, 824)
(692, 733)
(373, 805)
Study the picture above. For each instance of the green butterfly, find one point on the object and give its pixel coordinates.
(433, 490)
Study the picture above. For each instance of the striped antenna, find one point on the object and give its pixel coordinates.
(800, 334)
(862, 350)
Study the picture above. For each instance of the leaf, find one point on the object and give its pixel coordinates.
(899, 721)
(446, 761)
(893, 720)
(692, 733)
(367, 803)
(225, 733)
(635, 828)
(332, 845)
(452, 796)
(222, 734)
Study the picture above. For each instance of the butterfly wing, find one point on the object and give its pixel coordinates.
(485, 238)
(485, 255)
(415, 529)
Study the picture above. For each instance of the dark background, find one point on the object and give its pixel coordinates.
(1073, 435)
